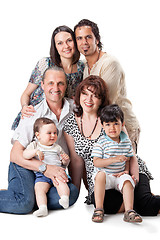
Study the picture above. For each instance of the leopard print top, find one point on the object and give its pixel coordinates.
(83, 147)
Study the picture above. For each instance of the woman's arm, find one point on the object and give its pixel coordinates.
(27, 110)
(76, 164)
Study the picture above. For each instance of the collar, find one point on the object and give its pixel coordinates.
(44, 146)
(101, 58)
(123, 137)
(67, 107)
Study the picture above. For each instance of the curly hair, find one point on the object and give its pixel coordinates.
(95, 30)
(100, 90)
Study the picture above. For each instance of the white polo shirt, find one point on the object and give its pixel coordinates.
(24, 132)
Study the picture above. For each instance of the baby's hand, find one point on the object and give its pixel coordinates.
(121, 158)
(40, 155)
(65, 159)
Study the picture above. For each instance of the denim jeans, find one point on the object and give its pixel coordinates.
(20, 196)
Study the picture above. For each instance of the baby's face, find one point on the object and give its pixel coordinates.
(47, 134)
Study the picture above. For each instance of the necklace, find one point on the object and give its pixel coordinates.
(89, 68)
(92, 130)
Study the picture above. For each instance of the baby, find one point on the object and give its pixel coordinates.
(46, 149)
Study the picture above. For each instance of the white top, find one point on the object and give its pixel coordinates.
(51, 153)
(24, 132)
(109, 69)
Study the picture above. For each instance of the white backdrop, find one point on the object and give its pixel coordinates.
(130, 31)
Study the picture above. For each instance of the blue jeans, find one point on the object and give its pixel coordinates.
(20, 196)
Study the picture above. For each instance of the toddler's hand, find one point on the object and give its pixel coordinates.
(121, 158)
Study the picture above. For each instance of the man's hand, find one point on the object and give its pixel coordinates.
(54, 172)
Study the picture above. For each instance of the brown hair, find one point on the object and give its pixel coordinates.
(55, 57)
(40, 122)
(100, 89)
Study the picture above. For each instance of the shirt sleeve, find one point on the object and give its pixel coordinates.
(97, 151)
(114, 76)
(60, 149)
(24, 132)
(32, 146)
(38, 71)
(130, 151)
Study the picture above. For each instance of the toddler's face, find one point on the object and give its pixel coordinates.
(47, 134)
(113, 129)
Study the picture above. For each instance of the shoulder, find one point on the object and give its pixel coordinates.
(70, 119)
(124, 137)
(70, 123)
(40, 107)
(58, 148)
(44, 60)
(32, 145)
(100, 141)
(43, 63)
(109, 61)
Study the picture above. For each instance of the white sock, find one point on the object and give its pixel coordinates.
(41, 212)
(64, 201)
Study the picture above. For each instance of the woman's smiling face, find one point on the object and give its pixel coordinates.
(89, 101)
(64, 44)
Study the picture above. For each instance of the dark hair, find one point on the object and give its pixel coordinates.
(95, 30)
(55, 57)
(40, 122)
(111, 113)
(100, 89)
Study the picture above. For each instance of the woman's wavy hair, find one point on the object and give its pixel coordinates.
(100, 89)
(55, 57)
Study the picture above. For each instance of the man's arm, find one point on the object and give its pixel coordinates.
(52, 171)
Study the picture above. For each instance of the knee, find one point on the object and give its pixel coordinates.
(26, 206)
(100, 177)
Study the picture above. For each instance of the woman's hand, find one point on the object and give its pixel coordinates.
(27, 111)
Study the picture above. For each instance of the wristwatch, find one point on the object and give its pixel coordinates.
(42, 168)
